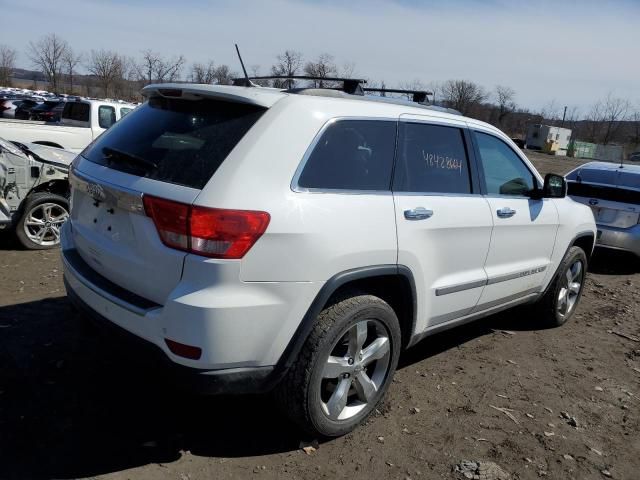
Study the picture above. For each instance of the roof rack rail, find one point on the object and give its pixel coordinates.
(352, 86)
(419, 96)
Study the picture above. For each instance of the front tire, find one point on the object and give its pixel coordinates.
(43, 214)
(344, 368)
(560, 301)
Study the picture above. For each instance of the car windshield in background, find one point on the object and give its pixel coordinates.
(172, 140)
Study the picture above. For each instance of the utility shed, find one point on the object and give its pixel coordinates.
(550, 139)
(608, 153)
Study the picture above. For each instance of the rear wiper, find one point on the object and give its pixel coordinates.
(111, 154)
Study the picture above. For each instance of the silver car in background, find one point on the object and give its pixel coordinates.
(613, 193)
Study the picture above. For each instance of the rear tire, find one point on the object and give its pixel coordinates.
(43, 214)
(344, 368)
(560, 301)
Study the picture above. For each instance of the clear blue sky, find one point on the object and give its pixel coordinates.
(570, 52)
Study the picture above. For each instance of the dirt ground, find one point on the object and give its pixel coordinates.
(74, 405)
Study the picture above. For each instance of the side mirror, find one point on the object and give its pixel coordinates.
(555, 186)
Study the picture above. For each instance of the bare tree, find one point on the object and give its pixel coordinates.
(155, 68)
(289, 64)
(550, 111)
(415, 84)
(203, 73)
(47, 54)
(223, 75)
(7, 64)
(348, 70)
(614, 111)
(594, 122)
(506, 104)
(436, 91)
(324, 67)
(127, 85)
(70, 60)
(462, 95)
(107, 66)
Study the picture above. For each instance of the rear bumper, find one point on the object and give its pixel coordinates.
(219, 382)
(242, 328)
(627, 239)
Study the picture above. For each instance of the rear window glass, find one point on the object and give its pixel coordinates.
(431, 159)
(77, 111)
(352, 155)
(602, 192)
(175, 141)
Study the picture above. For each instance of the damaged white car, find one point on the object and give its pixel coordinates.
(34, 192)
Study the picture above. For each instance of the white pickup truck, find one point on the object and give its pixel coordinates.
(82, 120)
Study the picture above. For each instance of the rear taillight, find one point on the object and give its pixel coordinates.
(171, 220)
(211, 232)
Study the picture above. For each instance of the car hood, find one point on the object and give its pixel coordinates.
(52, 154)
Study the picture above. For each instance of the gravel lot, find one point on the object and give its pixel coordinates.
(73, 405)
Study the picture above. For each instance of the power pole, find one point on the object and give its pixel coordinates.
(563, 116)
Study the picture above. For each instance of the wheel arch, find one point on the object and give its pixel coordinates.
(586, 241)
(392, 283)
(59, 187)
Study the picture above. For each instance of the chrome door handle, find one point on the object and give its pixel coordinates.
(506, 212)
(419, 213)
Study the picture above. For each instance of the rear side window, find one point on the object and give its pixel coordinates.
(173, 140)
(106, 116)
(352, 155)
(431, 159)
(76, 111)
(124, 111)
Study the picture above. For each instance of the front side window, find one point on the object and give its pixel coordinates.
(106, 116)
(431, 159)
(504, 171)
(352, 155)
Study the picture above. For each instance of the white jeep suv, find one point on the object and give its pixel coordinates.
(299, 240)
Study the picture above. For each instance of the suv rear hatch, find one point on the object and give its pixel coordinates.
(167, 149)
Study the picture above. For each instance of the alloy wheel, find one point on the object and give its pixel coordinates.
(570, 289)
(43, 222)
(355, 370)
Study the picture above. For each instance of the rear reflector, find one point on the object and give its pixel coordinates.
(182, 350)
(211, 232)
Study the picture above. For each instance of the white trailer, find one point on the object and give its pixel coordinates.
(542, 137)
